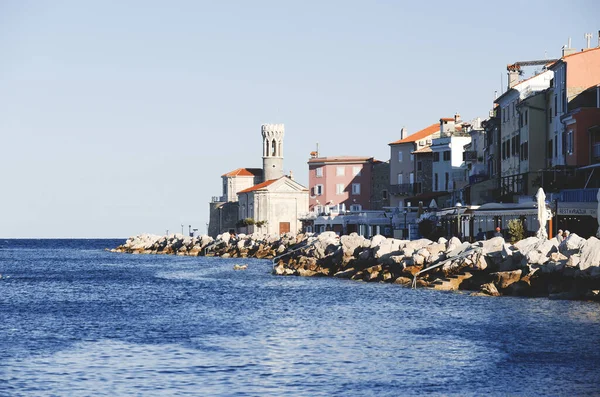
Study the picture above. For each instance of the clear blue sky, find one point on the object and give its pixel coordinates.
(118, 118)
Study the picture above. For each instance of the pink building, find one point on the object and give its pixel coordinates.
(342, 181)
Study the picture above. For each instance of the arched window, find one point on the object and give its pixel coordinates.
(266, 149)
(274, 147)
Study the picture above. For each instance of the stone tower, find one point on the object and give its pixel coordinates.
(272, 135)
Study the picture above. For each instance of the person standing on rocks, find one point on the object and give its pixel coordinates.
(498, 233)
(559, 236)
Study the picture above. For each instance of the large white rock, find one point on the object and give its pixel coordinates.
(452, 244)
(527, 245)
(417, 244)
(377, 240)
(492, 246)
(590, 253)
(351, 242)
(572, 243)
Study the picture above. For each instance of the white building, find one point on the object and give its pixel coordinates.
(264, 199)
(449, 168)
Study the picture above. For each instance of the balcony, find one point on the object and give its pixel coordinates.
(579, 195)
(404, 189)
(218, 199)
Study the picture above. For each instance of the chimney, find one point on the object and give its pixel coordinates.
(403, 133)
(456, 118)
(291, 175)
(513, 78)
(567, 50)
(599, 38)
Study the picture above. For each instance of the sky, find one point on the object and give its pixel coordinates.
(119, 117)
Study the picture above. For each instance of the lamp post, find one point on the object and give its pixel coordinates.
(405, 233)
(182, 229)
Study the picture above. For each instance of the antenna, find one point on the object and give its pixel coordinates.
(588, 37)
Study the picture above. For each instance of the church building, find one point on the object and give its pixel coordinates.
(258, 200)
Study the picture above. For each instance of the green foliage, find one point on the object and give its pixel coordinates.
(516, 230)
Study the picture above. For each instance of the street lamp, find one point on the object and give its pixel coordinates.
(182, 229)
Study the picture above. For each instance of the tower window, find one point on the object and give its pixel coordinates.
(274, 146)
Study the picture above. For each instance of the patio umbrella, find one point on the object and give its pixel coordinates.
(542, 214)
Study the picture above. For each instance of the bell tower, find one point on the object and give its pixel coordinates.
(272, 135)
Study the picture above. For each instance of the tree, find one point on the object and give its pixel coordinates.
(516, 230)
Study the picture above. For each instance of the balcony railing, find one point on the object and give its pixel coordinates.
(403, 189)
(579, 195)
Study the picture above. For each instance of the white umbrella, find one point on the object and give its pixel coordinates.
(598, 214)
(542, 214)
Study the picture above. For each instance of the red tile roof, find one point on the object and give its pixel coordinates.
(447, 119)
(245, 172)
(424, 133)
(258, 187)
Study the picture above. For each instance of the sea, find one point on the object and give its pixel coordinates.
(77, 320)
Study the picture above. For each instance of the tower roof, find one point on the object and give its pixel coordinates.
(245, 172)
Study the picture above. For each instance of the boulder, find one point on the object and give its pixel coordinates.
(351, 243)
(489, 289)
(504, 279)
(435, 248)
(572, 244)
(377, 240)
(452, 244)
(527, 245)
(573, 260)
(590, 253)
(403, 280)
(417, 244)
(348, 273)
(492, 246)
(386, 247)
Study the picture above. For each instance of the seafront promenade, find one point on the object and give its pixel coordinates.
(532, 267)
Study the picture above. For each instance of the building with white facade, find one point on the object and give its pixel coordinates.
(260, 200)
(449, 168)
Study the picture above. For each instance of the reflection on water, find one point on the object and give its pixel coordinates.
(84, 321)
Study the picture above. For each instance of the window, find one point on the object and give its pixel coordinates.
(399, 179)
(550, 151)
(564, 102)
(355, 207)
(526, 115)
(356, 171)
(319, 172)
(570, 142)
(412, 157)
(555, 146)
(435, 182)
(356, 188)
(384, 194)
(555, 105)
(447, 155)
(339, 188)
(436, 156)
(412, 178)
(447, 182)
(399, 156)
(419, 166)
(340, 171)
(550, 115)
(318, 190)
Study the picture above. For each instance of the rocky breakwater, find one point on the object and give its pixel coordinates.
(531, 267)
(224, 246)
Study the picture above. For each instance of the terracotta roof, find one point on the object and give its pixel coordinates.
(426, 149)
(432, 129)
(245, 172)
(258, 187)
(579, 52)
(447, 119)
(339, 159)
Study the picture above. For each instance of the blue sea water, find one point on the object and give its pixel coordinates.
(76, 320)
